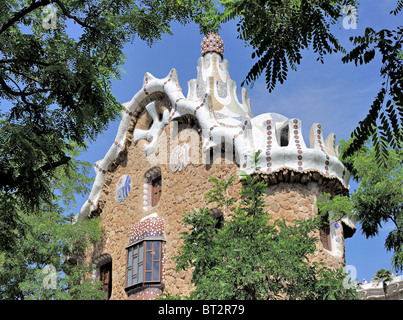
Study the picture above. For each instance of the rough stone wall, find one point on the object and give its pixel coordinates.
(296, 201)
(182, 191)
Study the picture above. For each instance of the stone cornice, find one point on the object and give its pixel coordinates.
(332, 183)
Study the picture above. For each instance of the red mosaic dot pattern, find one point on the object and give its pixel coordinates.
(270, 129)
(322, 148)
(202, 104)
(145, 84)
(212, 43)
(169, 79)
(295, 128)
(149, 227)
(146, 294)
(116, 143)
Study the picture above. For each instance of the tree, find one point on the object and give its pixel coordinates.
(55, 94)
(378, 198)
(385, 276)
(34, 251)
(383, 123)
(56, 85)
(37, 269)
(279, 31)
(250, 256)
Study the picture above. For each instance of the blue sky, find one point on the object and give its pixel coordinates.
(334, 94)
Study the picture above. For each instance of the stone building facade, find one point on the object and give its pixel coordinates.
(166, 149)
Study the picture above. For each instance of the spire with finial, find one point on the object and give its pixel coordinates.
(212, 42)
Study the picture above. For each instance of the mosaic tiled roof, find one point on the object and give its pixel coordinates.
(212, 43)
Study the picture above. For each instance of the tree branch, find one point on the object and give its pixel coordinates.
(54, 165)
(8, 181)
(25, 60)
(34, 5)
(6, 88)
(21, 74)
(20, 93)
(18, 15)
(68, 15)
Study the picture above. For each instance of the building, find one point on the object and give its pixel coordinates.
(166, 149)
(374, 290)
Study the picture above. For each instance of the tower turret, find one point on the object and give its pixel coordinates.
(214, 80)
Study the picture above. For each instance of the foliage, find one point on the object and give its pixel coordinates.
(251, 256)
(383, 122)
(385, 276)
(36, 270)
(57, 63)
(35, 247)
(279, 32)
(55, 84)
(377, 200)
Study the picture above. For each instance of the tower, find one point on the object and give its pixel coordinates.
(166, 149)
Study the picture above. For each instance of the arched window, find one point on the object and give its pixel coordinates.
(105, 276)
(324, 233)
(156, 184)
(284, 136)
(103, 272)
(152, 187)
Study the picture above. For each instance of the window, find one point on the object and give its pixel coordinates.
(152, 187)
(105, 276)
(284, 136)
(218, 216)
(325, 233)
(144, 263)
(155, 190)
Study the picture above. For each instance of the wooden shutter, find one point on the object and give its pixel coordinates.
(106, 279)
(152, 270)
(156, 191)
(325, 233)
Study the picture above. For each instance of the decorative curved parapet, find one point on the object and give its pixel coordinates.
(374, 291)
(283, 146)
(212, 99)
(168, 85)
(213, 78)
